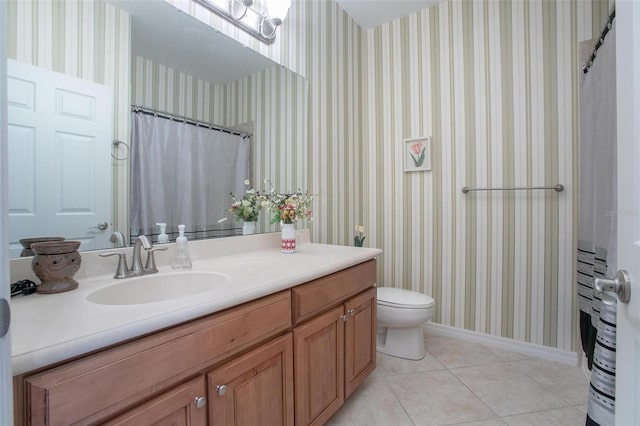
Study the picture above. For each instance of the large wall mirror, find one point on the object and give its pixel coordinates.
(99, 58)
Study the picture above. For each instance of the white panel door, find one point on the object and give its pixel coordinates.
(628, 112)
(60, 133)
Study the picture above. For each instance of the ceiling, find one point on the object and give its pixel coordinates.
(371, 13)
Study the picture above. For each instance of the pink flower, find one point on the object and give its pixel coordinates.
(417, 148)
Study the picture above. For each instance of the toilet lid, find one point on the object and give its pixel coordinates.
(400, 297)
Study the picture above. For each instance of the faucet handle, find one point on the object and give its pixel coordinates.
(122, 270)
(150, 266)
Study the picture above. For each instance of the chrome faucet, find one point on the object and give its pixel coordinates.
(141, 242)
(117, 238)
(123, 271)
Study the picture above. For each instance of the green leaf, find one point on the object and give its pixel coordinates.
(421, 158)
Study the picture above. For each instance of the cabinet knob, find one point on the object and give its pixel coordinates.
(222, 389)
(201, 401)
(343, 317)
(351, 312)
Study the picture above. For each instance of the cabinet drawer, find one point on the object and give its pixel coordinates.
(319, 295)
(103, 384)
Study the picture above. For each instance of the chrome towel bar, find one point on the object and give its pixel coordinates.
(557, 188)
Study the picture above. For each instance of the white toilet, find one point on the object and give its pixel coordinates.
(401, 314)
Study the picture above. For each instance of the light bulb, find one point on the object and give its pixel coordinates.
(278, 10)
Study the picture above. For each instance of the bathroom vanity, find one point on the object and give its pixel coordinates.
(285, 341)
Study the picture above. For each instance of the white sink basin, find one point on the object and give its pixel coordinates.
(158, 288)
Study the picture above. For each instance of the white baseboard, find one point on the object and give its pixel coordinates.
(531, 349)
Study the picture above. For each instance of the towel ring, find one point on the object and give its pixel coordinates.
(115, 145)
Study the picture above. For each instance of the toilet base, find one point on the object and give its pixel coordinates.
(406, 342)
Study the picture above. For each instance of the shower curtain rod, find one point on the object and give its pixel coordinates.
(603, 34)
(148, 111)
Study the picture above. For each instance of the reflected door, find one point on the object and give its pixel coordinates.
(60, 133)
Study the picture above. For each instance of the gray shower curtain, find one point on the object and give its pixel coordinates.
(184, 174)
(597, 224)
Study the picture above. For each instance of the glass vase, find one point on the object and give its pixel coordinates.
(248, 228)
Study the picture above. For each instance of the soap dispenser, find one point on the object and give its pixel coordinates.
(163, 237)
(182, 259)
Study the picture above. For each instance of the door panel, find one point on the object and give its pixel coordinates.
(360, 344)
(319, 367)
(258, 387)
(60, 149)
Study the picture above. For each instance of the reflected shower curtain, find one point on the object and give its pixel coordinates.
(182, 173)
(597, 229)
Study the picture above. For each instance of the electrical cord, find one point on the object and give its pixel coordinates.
(25, 287)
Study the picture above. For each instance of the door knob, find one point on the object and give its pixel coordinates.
(222, 389)
(621, 285)
(102, 226)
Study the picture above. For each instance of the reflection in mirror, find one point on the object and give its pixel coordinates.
(183, 67)
(184, 172)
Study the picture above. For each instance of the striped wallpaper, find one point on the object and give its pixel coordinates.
(83, 39)
(492, 83)
(495, 84)
(274, 103)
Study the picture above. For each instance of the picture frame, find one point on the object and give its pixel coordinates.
(416, 154)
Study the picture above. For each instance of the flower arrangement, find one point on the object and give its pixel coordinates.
(248, 207)
(288, 208)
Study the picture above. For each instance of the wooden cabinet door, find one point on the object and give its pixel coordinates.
(319, 367)
(255, 389)
(359, 336)
(178, 406)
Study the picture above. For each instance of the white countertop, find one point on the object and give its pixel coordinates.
(48, 328)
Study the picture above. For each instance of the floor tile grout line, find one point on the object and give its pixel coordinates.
(493, 350)
(555, 394)
(525, 412)
(473, 393)
(540, 411)
(399, 402)
(488, 348)
(532, 377)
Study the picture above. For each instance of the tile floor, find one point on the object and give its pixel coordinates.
(463, 383)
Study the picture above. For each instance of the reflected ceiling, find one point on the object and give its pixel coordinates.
(166, 35)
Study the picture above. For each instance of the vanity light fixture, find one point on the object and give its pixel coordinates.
(242, 13)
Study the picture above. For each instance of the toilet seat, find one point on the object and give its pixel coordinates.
(401, 298)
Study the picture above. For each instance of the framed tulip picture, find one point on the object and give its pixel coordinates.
(417, 154)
